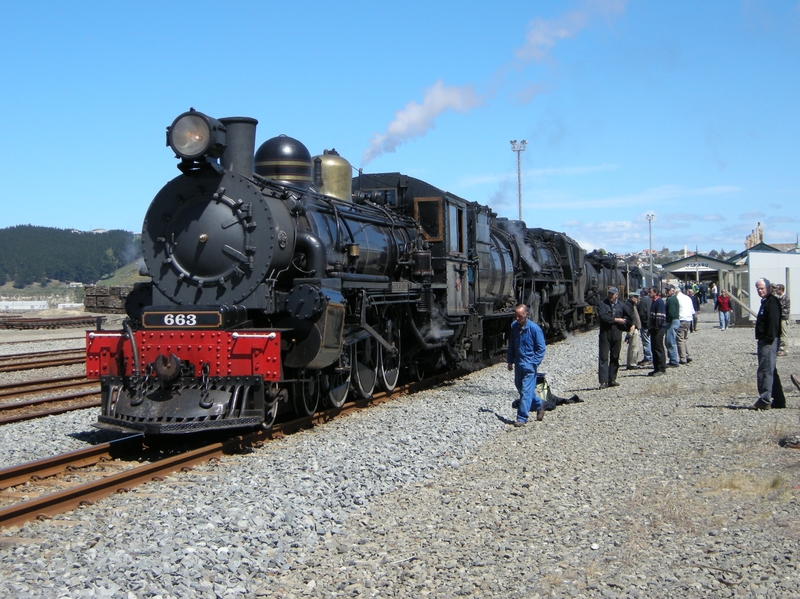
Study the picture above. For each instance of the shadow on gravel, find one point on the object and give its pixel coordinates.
(731, 407)
(500, 417)
(548, 404)
(96, 437)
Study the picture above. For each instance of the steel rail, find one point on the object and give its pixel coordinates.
(39, 354)
(50, 412)
(43, 364)
(21, 389)
(4, 388)
(6, 407)
(17, 475)
(71, 498)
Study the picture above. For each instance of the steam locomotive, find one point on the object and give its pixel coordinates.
(279, 281)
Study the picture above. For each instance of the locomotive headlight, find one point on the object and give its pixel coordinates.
(194, 134)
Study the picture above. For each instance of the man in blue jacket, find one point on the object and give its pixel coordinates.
(525, 352)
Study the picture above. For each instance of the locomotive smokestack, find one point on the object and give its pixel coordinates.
(238, 156)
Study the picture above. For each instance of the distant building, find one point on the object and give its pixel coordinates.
(786, 247)
(7, 306)
(755, 237)
(74, 285)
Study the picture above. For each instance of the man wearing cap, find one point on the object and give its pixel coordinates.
(614, 320)
(658, 328)
(645, 303)
(633, 336)
(673, 324)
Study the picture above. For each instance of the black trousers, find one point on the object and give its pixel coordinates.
(658, 349)
(610, 345)
(778, 398)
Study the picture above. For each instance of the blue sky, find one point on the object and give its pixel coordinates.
(687, 110)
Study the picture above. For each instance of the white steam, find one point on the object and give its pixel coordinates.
(417, 119)
(516, 230)
(544, 34)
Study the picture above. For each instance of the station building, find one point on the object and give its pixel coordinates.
(738, 275)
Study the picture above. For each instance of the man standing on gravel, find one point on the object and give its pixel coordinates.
(525, 352)
(673, 324)
(768, 333)
(687, 316)
(633, 336)
(723, 306)
(614, 319)
(644, 316)
(658, 329)
(783, 298)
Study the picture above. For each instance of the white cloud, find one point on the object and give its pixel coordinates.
(537, 172)
(647, 197)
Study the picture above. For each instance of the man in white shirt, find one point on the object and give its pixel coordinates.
(686, 317)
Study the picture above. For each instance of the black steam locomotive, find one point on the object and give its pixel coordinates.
(280, 282)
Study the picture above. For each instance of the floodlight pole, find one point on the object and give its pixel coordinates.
(519, 148)
(650, 217)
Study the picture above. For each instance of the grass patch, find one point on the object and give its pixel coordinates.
(771, 486)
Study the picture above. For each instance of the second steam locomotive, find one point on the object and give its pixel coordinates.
(279, 282)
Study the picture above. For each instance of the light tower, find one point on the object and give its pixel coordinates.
(518, 148)
(650, 217)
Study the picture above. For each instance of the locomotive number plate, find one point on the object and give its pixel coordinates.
(181, 320)
(400, 286)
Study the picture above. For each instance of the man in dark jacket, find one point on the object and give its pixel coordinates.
(614, 320)
(673, 313)
(768, 333)
(658, 330)
(644, 316)
(703, 293)
(696, 304)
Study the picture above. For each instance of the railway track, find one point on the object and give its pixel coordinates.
(51, 486)
(11, 390)
(45, 359)
(20, 323)
(12, 410)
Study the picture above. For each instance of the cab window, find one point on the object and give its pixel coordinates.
(457, 230)
(428, 213)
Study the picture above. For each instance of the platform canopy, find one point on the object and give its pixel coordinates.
(698, 264)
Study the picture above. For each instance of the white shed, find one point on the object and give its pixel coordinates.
(777, 267)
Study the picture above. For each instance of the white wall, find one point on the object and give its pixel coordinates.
(23, 305)
(774, 266)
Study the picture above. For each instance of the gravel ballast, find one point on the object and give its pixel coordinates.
(664, 486)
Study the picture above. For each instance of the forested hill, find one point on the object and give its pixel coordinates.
(30, 254)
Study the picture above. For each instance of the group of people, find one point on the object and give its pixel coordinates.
(661, 325)
(700, 289)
